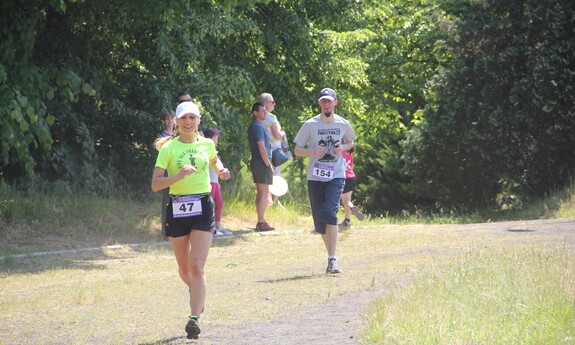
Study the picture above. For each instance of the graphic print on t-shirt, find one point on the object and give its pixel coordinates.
(192, 160)
(196, 158)
(329, 142)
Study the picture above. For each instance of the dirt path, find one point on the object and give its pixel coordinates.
(309, 326)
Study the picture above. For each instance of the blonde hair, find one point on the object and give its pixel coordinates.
(159, 142)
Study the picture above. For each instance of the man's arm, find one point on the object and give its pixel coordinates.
(303, 152)
(263, 152)
(276, 132)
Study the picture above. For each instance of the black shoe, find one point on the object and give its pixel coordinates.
(344, 224)
(357, 213)
(193, 328)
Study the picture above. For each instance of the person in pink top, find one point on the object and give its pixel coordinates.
(350, 184)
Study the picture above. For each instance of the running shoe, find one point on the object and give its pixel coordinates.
(357, 213)
(223, 232)
(346, 223)
(264, 226)
(193, 328)
(332, 266)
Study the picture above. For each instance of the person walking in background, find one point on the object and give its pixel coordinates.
(184, 96)
(350, 184)
(260, 163)
(168, 119)
(187, 157)
(214, 134)
(323, 138)
(276, 134)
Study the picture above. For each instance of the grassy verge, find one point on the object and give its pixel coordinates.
(61, 219)
(516, 296)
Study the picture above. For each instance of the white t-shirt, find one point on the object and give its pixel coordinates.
(268, 121)
(313, 133)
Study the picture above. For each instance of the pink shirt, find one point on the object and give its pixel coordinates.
(348, 158)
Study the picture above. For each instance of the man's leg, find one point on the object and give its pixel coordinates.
(262, 191)
(330, 239)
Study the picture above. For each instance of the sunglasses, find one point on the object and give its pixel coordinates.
(184, 100)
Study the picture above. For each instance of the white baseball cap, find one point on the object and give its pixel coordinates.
(187, 108)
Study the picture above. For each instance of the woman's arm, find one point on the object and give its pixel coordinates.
(159, 181)
(217, 165)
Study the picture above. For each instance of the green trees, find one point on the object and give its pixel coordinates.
(402, 55)
(455, 103)
(89, 79)
(504, 120)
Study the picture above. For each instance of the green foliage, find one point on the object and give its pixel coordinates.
(503, 122)
(82, 103)
(82, 84)
(402, 55)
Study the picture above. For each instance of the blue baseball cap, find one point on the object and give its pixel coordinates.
(327, 93)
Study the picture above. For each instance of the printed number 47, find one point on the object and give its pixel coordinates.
(183, 207)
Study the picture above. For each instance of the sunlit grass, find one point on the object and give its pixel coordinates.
(36, 221)
(518, 296)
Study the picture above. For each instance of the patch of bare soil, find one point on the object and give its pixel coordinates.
(336, 322)
(339, 320)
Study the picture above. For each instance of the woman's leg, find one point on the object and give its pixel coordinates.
(191, 254)
(218, 203)
(346, 202)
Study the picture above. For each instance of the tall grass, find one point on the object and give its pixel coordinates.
(39, 217)
(558, 204)
(39, 220)
(522, 296)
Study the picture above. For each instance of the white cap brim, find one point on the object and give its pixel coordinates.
(187, 108)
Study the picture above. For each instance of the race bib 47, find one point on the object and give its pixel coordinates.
(186, 206)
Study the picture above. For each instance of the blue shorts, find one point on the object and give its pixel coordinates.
(324, 198)
(177, 227)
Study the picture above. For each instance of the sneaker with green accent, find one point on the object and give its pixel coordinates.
(332, 266)
(193, 328)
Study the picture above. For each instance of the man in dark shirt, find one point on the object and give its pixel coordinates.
(260, 163)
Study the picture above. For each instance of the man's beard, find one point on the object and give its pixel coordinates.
(327, 113)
